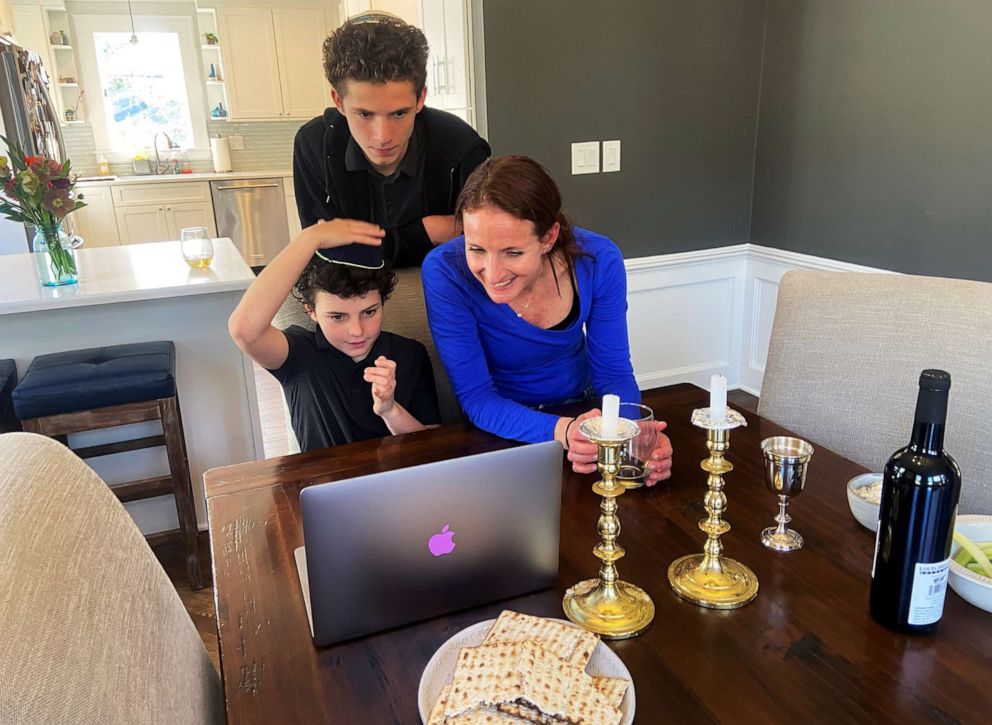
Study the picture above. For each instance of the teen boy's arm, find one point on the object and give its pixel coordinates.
(250, 325)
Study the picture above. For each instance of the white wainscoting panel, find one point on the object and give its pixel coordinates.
(684, 313)
(693, 314)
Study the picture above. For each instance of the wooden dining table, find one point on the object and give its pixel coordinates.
(805, 650)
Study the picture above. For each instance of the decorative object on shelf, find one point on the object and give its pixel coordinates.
(58, 37)
(218, 111)
(72, 114)
(210, 38)
(39, 192)
(67, 79)
(213, 75)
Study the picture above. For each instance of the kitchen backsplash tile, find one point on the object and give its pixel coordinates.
(268, 145)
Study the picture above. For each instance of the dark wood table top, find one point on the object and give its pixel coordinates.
(805, 650)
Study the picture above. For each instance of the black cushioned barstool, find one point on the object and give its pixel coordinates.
(8, 379)
(81, 390)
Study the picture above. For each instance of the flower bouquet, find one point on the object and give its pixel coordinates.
(39, 192)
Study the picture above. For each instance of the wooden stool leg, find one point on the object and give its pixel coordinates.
(179, 468)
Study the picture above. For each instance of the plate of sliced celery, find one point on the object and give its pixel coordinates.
(971, 560)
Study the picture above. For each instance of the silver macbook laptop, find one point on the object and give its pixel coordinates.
(399, 546)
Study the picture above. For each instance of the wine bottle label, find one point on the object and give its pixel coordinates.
(926, 605)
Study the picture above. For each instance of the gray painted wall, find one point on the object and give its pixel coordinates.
(675, 80)
(875, 134)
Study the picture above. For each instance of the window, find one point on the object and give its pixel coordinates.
(143, 88)
(135, 90)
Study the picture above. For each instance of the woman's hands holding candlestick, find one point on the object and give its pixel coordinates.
(583, 454)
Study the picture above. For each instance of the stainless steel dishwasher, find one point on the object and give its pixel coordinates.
(252, 212)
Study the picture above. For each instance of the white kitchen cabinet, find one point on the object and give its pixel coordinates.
(292, 214)
(300, 35)
(159, 212)
(137, 224)
(154, 223)
(96, 222)
(274, 62)
(6, 18)
(445, 23)
(248, 43)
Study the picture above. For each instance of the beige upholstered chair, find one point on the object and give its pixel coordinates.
(845, 357)
(405, 315)
(91, 628)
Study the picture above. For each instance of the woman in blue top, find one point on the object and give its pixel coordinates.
(527, 311)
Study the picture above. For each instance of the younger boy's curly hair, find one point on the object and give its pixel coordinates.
(378, 48)
(341, 280)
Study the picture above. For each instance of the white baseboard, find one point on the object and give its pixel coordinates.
(694, 314)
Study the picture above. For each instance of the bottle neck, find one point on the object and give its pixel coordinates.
(928, 438)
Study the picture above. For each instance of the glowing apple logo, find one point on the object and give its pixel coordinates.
(441, 544)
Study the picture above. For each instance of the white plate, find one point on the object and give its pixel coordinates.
(441, 669)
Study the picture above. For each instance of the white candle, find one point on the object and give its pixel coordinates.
(718, 397)
(611, 414)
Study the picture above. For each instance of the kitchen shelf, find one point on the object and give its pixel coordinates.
(215, 83)
(61, 47)
(210, 46)
(67, 85)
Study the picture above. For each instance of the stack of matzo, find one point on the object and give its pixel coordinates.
(529, 670)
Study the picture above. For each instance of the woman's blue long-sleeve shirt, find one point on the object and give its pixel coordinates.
(501, 366)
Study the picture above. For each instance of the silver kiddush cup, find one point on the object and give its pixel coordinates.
(786, 460)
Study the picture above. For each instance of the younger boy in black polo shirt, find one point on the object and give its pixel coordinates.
(347, 380)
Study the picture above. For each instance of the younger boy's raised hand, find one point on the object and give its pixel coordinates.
(339, 232)
(383, 378)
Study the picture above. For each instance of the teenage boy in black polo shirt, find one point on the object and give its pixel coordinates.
(380, 155)
(347, 380)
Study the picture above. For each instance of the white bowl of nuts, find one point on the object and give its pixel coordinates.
(864, 493)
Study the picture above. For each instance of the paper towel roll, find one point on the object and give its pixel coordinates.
(220, 152)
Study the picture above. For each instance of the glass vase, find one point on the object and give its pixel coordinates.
(55, 258)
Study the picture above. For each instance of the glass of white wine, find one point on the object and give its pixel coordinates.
(198, 248)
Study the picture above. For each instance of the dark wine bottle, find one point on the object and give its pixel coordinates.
(920, 494)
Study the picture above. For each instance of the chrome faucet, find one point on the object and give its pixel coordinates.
(161, 168)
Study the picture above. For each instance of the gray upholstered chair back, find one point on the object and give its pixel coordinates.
(405, 315)
(91, 628)
(845, 357)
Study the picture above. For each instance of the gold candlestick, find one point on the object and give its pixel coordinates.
(711, 579)
(611, 608)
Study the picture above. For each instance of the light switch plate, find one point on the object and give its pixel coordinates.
(585, 157)
(611, 156)
(237, 142)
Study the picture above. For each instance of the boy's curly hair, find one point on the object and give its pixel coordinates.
(377, 48)
(341, 280)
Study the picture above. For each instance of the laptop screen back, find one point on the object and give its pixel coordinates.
(395, 547)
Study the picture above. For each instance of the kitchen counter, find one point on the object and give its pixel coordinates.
(122, 274)
(141, 293)
(199, 176)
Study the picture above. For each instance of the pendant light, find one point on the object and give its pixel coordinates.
(134, 37)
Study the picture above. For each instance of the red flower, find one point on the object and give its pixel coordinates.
(10, 189)
(29, 160)
(61, 182)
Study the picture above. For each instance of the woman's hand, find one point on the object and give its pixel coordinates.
(340, 232)
(581, 452)
(383, 378)
(659, 463)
